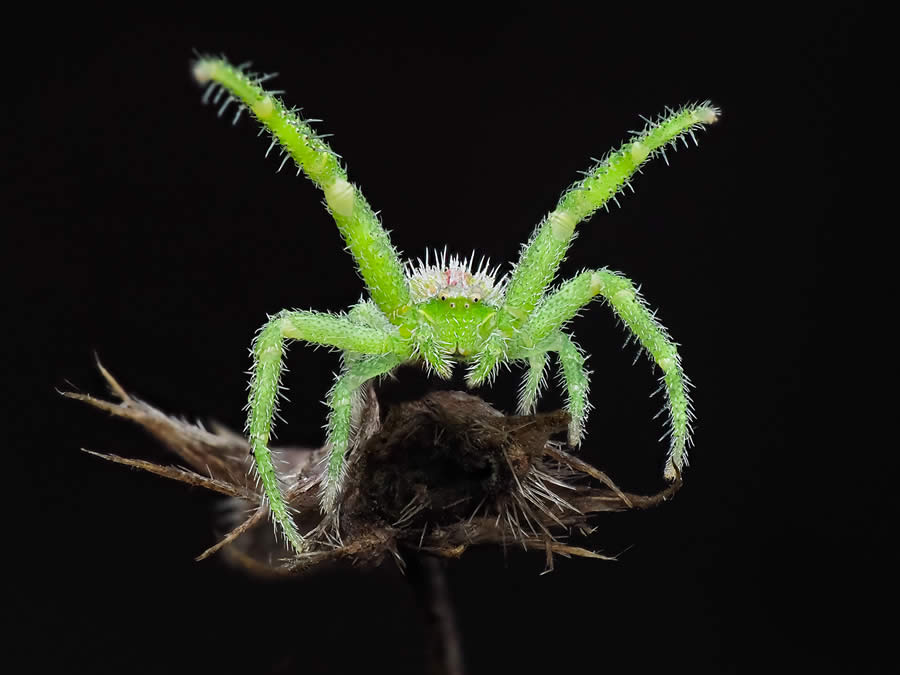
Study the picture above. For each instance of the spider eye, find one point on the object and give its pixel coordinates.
(443, 296)
(452, 305)
(466, 305)
(476, 298)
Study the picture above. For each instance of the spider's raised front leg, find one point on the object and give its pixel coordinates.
(368, 242)
(618, 291)
(544, 252)
(268, 352)
(542, 255)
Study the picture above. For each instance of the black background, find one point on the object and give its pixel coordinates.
(140, 226)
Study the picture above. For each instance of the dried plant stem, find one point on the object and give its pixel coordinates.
(443, 647)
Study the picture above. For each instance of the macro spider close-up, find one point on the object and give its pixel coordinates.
(522, 358)
(447, 309)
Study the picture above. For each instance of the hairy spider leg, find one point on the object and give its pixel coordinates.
(367, 312)
(547, 246)
(542, 255)
(572, 375)
(533, 382)
(434, 352)
(268, 352)
(342, 399)
(577, 381)
(368, 242)
(625, 300)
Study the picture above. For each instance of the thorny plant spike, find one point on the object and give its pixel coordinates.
(448, 310)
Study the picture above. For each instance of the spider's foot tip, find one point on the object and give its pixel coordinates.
(708, 115)
(203, 71)
(297, 545)
(575, 437)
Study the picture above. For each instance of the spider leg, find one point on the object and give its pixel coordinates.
(341, 400)
(366, 312)
(268, 351)
(532, 383)
(576, 378)
(494, 351)
(543, 253)
(621, 295)
(433, 351)
(366, 239)
(572, 373)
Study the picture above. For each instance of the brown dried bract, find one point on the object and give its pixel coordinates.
(436, 475)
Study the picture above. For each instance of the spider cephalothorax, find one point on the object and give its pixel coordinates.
(449, 310)
(460, 300)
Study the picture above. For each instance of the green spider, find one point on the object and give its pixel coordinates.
(445, 311)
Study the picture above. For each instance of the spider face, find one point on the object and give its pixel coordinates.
(461, 322)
